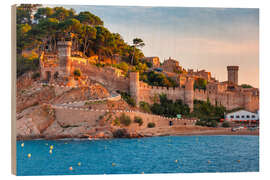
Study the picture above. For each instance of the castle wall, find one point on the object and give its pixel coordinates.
(149, 94)
(230, 100)
(74, 117)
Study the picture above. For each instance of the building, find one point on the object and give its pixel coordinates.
(171, 65)
(242, 116)
(153, 60)
(200, 74)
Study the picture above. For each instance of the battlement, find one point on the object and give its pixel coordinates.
(143, 85)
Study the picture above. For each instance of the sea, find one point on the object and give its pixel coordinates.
(166, 154)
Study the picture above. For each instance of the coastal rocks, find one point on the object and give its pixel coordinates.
(27, 98)
(53, 131)
(26, 128)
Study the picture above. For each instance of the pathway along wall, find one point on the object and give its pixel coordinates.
(73, 117)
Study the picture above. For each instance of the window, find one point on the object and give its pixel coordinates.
(237, 116)
(248, 116)
(231, 116)
(242, 116)
(253, 116)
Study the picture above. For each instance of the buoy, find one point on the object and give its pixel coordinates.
(79, 163)
(238, 160)
(50, 151)
(142, 172)
(22, 144)
(176, 161)
(113, 164)
(29, 155)
(70, 168)
(209, 162)
(51, 147)
(46, 144)
(65, 142)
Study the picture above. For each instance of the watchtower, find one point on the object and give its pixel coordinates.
(134, 85)
(233, 74)
(64, 53)
(189, 93)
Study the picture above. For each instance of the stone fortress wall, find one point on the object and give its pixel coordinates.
(228, 99)
(73, 117)
(143, 92)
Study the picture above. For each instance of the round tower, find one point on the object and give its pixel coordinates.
(64, 53)
(134, 86)
(189, 93)
(233, 74)
(248, 101)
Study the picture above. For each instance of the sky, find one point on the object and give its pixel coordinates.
(199, 38)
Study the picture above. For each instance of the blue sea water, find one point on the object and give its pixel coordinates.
(168, 154)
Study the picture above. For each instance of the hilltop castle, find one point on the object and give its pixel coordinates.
(228, 94)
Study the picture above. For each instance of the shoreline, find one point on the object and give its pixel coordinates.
(223, 132)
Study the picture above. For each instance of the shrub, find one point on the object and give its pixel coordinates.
(125, 120)
(77, 72)
(138, 120)
(225, 124)
(145, 107)
(127, 98)
(200, 84)
(26, 64)
(207, 122)
(120, 133)
(246, 86)
(116, 122)
(151, 125)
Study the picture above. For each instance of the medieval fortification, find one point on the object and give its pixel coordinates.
(228, 93)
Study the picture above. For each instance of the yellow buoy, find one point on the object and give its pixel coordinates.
(238, 160)
(142, 172)
(209, 162)
(29, 155)
(51, 147)
(79, 163)
(113, 164)
(70, 168)
(176, 161)
(22, 144)
(46, 144)
(50, 151)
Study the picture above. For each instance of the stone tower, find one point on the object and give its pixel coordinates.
(64, 53)
(189, 93)
(248, 101)
(233, 74)
(134, 85)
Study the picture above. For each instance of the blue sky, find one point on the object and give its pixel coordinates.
(199, 38)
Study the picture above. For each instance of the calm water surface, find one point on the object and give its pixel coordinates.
(170, 154)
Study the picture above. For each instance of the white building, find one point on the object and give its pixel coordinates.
(242, 115)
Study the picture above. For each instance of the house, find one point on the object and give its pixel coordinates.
(242, 116)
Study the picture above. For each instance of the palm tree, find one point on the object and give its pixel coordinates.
(137, 42)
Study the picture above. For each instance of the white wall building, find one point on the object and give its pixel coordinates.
(242, 115)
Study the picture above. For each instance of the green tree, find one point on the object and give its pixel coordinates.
(137, 42)
(43, 13)
(246, 86)
(200, 83)
(88, 35)
(88, 18)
